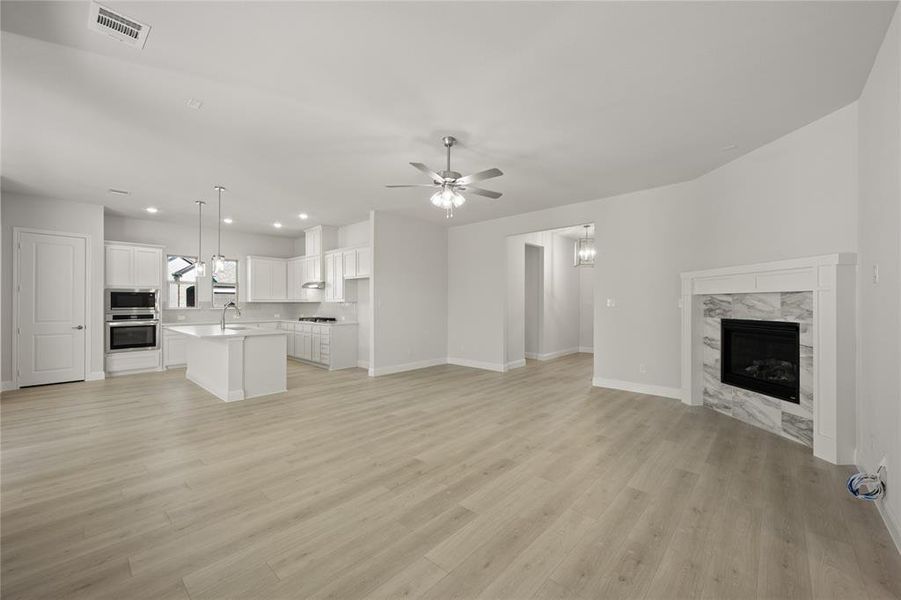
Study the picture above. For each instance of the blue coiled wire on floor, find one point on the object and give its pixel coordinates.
(867, 486)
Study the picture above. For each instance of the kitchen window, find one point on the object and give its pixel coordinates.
(182, 281)
(225, 284)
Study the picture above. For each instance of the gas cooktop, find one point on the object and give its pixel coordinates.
(318, 319)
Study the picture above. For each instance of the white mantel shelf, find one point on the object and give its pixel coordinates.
(832, 279)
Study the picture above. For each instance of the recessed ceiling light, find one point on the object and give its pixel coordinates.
(304, 216)
(118, 192)
(194, 103)
(729, 147)
(152, 210)
(227, 220)
(277, 225)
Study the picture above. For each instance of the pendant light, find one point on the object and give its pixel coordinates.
(585, 250)
(200, 266)
(218, 259)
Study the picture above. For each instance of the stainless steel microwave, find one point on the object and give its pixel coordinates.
(134, 300)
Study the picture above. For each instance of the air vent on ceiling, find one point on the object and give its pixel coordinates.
(118, 26)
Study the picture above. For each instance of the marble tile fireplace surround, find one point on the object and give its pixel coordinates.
(818, 294)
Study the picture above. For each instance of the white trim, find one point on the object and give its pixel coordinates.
(477, 364)
(531, 355)
(88, 305)
(515, 364)
(95, 376)
(422, 364)
(362, 364)
(831, 279)
(7, 386)
(557, 354)
(893, 530)
(639, 388)
(586, 349)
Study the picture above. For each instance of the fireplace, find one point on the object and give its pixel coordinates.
(761, 356)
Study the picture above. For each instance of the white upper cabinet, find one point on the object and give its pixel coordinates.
(320, 239)
(267, 279)
(334, 277)
(133, 266)
(357, 262)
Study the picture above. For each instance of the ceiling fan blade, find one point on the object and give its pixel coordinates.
(474, 190)
(429, 185)
(480, 176)
(435, 176)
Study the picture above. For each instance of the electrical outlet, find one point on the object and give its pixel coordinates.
(180, 317)
(875, 273)
(611, 302)
(642, 368)
(276, 315)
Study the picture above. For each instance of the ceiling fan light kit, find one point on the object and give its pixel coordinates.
(451, 183)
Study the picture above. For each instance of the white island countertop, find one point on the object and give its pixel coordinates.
(231, 331)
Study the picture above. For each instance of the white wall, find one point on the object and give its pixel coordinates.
(586, 309)
(807, 181)
(531, 313)
(879, 323)
(182, 239)
(409, 287)
(558, 304)
(53, 215)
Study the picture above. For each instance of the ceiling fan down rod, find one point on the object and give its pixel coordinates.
(449, 141)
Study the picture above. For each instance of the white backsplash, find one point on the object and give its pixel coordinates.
(262, 311)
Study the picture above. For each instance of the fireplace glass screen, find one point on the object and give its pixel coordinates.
(761, 356)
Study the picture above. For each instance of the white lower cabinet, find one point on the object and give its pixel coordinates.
(175, 349)
(330, 346)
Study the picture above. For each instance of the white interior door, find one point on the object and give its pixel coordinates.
(51, 309)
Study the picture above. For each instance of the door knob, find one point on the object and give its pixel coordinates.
(78, 327)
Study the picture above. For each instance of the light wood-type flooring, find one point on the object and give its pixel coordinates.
(446, 482)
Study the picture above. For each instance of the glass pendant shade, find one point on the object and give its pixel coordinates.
(218, 260)
(447, 199)
(585, 250)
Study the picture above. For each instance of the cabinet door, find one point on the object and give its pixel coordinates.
(339, 279)
(349, 258)
(120, 266)
(364, 262)
(174, 349)
(316, 347)
(307, 350)
(289, 339)
(298, 345)
(260, 278)
(279, 276)
(148, 266)
(329, 277)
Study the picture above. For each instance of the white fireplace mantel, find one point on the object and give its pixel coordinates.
(831, 278)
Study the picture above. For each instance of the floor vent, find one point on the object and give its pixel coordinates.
(118, 26)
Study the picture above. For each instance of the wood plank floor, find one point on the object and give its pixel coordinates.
(441, 483)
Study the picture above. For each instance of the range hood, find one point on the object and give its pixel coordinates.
(313, 285)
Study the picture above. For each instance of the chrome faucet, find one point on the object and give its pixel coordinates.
(224, 309)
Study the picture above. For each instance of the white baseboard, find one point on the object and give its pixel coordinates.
(638, 388)
(894, 530)
(586, 349)
(558, 354)
(515, 364)
(7, 386)
(531, 355)
(95, 376)
(362, 364)
(422, 364)
(476, 364)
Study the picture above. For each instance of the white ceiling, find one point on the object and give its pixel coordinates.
(315, 106)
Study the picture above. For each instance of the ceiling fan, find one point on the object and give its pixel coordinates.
(450, 183)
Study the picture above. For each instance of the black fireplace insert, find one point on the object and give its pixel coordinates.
(761, 356)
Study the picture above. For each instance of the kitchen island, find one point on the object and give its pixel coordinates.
(237, 362)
